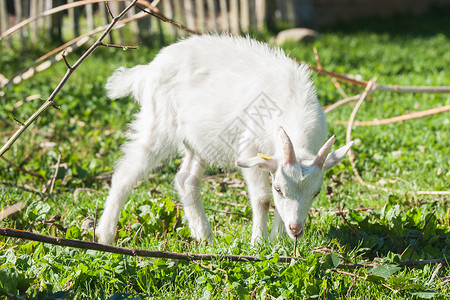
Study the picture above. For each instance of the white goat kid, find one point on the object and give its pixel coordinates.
(221, 100)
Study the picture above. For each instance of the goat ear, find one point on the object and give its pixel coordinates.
(335, 157)
(270, 165)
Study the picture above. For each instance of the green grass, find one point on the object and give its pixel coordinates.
(89, 129)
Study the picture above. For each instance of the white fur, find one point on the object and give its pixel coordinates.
(218, 100)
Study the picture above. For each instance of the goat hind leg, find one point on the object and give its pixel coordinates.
(138, 159)
(188, 183)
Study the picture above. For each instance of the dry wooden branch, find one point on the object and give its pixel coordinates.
(52, 185)
(331, 107)
(22, 234)
(50, 101)
(119, 46)
(333, 80)
(354, 275)
(163, 18)
(294, 252)
(402, 118)
(11, 210)
(9, 232)
(22, 169)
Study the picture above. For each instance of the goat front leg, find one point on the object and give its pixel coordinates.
(188, 183)
(260, 195)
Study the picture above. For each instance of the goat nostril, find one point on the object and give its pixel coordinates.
(295, 228)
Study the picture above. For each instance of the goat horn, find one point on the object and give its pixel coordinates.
(288, 149)
(319, 160)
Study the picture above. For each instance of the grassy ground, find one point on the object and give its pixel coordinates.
(89, 129)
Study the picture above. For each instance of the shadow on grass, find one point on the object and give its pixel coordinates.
(436, 21)
(394, 233)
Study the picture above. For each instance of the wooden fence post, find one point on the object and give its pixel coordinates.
(212, 16)
(245, 15)
(3, 16)
(189, 12)
(200, 15)
(223, 11)
(168, 12)
(234, 17)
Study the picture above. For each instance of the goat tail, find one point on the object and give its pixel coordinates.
(122, 83)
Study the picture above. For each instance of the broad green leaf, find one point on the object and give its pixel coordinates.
(73, 233)
(384, 271)
(428, 294)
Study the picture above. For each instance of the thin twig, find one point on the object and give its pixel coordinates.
(228, 203)
(95, 224)
(349, 291)
(420, 235)
(163, 18)
(364, 278)
(26, 188)
(402, 118)
(119, 46)
(294, 254)
(109, 10)
(333, 80)
(331, 107)
(50, 101)
(225, 211)
(340, 212)
(22, 169)
(351, 227)
(316, 56)
(63, 55)
(52, 186)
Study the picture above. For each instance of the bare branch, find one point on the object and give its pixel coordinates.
(22, 169)
(52, 186)
(119, 46)
(163, 18)
(50, 101)
(420, 235)
(331, 107)
(22, 234)
(109, 10)
(63, 55)
(11, 210)
(354, 275)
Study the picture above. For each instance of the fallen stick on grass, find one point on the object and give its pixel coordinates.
(21, 234)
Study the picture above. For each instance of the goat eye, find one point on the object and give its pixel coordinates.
(278, 190)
